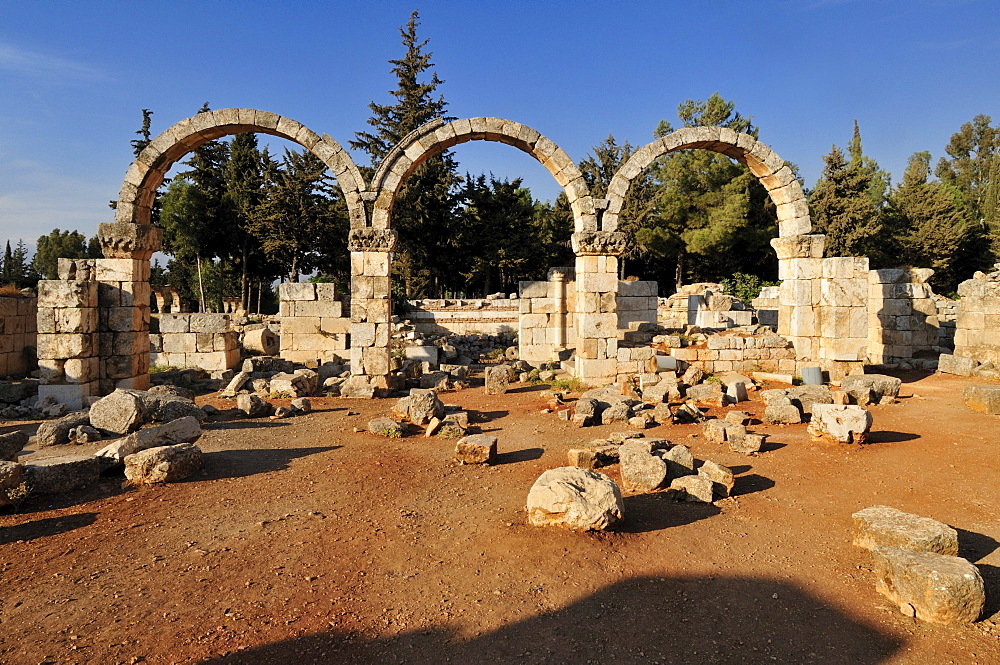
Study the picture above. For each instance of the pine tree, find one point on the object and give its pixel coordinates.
(425, 208)
(7, 273)
(244, 182)
(58, 244)
(848, 204)
(972, 169)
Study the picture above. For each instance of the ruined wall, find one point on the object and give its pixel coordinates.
(464, 317)
(206, 341)
(315, 324)
(637, 302)
(17, 334)
(902, 316)
(545, 323)
(977, 329)
(947, 313)
(760, 352)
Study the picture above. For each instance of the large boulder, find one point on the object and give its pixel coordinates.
(641, 469)
(841, 423)
(164, 464)
(61, 474)
(888, 527)
(497, 379)
(121, 412)
(575, 498)
(182, 430)
(931, 587)
(11, 444)
(56, 432)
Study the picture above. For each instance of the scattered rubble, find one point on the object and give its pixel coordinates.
(163, 464)
(575, 498)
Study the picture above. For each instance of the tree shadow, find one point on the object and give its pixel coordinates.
(248, 462)
(657, 511)
(514, 456)
(751, 483)
(888, 436)
(45, 527)
(721, 619)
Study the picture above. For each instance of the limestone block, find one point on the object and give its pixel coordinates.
(362, 334)
(597, 325)
(318, 308)
(984, 399)
(805, 268)
(180, 343)
(597, 282)
(74, 320)
(574, 498)
(375, 361)
(65, 346)
(210, 323)
(81, 370)
(331, 325)
(842, 423)
(476, 449)
(121, 270)
(55, 475)
(932, 587)
(954, 364)
(698, 489)
(297, 291)
(882, 526)
(163, 464)
(721, 477)
(67, 293)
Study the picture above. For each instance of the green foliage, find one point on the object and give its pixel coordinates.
(16, 270)
(743, 286)
(573, 385)
(17, 495)
(62, 244)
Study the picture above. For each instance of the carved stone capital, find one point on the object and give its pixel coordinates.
(121, 240)
(799, 246)
(599, 243)
(372, 240)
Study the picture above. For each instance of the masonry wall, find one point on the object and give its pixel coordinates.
(315, 324)
(206, 341)
(977, 331)
(464, 317)
(17, 335)
(545, 323)
(902, 315)
(637, 303)
(723, 352)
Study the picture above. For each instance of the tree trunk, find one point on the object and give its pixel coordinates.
(244, 283)
(679, 274)
(201, 286)
(260, 294)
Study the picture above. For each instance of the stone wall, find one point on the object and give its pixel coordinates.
(464, 317)
(763, 351)
(704, 305)
(902, 316)
(977, 329)
(315, 324)
(545, 324)
(205, 341)
(947, 313)
(17, 334)
(637, 302)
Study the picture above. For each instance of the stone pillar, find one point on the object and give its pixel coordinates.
(799, 266)
(371, 305)
(68, 361)
(123, 300)
(597, 253)
(560, 277)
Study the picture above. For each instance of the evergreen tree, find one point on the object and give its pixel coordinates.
(972, 169)
(424, 210)
(848, 204)
(58, 244)
(244, 188)
(7, 273)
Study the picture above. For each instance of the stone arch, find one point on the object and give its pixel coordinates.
(146, 173)
(437, 136)
(770, 169)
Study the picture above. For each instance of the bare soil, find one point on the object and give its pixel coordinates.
(303, 541)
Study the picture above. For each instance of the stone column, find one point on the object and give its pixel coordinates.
(800, 264)
(560, 276)
(68, 361)
(597, 253)
(371, 309)
(123, 301)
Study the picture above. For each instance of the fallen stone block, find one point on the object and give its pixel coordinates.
(163, 406)
(680, 461)
(619, 412)
(931, 587)
(575, 498)
(11, 444)
(641, 470)
(476, 449)
(697, 489)
(61, 474)
(844, 424)
(497, 379)
(737, 392)
(56, 432)
(293, 385)
(121, 412)
(385, 427)
(253, 406)
(806, 397)
(952, 364)
(640, 422)
(746, 443)
(435, 381)
(302, 404)
(871, 386)
(581, 457)
(889, 527)
(984, 399)
(738, 418)
(357, 387)
(781, 411)
(707, 393)
(419, 407)
(692, 376)
(84, 434)
(182, 430)
(11, 477)
(163, 464)
(267, 365)
(721, 477)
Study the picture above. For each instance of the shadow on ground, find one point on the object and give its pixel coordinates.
(247, 462)
(751, 483)
(525, 455)
(45, 527)
(642, 620)
(889, 436)
(657, 511)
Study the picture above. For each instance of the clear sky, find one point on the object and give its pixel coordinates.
(74, 76)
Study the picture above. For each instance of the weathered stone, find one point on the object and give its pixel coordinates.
(698, 489)
(746, 443)
(582, 420)
(575, 498)
(641, 470)
(707, 393)
(774, 395)
(693, 376)
(497, 379)
(11, 444)
(302, 404)
(236, 383)
(164, 407)
(737, 392)
(61, 474)
(805, 397)
(267, 365)
(889, 527)
(738, 418)
(451, 429)
(586, 406)
(641, 421)
(357, 387)
(182, 430)
(435, 381)
(167, 391)
(583, 458)
(721, 477)
(424, 405)
(261, 341)
(11, 477)
(385, 427)
(871, 386)
(163, 464)
(846, 424)
(56, 432)
(476, 449)
(294, 385)
(680, 461)
(120, 412)
(253, 406)
(952, 364)
(984, 399)
(619, 412)
(932, 587)
(782, 411)
(84, 434)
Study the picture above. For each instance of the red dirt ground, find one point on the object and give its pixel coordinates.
(303, 541)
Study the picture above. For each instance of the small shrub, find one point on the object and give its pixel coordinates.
(743, 286)
(17, 495)
(156, 369)
(573, 385)
(712, 379)
(495, 354)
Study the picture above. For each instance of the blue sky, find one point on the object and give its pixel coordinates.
(74, 76)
